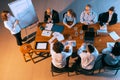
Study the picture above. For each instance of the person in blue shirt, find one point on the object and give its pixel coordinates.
(112, 55)
(88, 16)
(69, 19)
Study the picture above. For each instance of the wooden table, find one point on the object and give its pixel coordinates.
(99, 41)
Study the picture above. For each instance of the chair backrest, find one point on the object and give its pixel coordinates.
(98, 63)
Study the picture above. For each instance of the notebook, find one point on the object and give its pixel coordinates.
(57, 28)
(89, 37)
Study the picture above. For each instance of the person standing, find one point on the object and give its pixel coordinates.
(12, 24)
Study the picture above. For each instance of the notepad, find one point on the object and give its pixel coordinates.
(49, 26)
(114, 35)
(46, 33)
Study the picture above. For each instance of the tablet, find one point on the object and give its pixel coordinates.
(41, 45)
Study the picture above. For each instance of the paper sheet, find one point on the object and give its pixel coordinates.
(59, 36)
(49, 26)
(73, 42)
(114, 35)
(41, 46)
(110, 44)
(46, 33)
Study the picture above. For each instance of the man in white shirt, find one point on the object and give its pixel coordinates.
(59, 56)
(88, 55)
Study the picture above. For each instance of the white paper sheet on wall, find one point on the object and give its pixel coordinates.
(114, 35)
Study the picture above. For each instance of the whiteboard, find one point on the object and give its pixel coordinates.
(24, 11)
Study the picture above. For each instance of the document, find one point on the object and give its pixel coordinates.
(49, 26)
(59, 36)
(72, 42)
(41, 45)
(103, 30)
(114, 35)
(46, 33)
(110, 44)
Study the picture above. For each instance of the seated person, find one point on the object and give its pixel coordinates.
(108, 18)
(60, 58)
(112, 55)
(51, 16)
(88, 54)
(88, 16)
(69, 19)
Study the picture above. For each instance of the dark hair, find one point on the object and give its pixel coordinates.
(111, 8)
(91, 48)
(58, 47)
(4, 15)
(89, 5)
(116, 49)
(72, 12)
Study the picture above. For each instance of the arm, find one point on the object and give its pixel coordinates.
(64, 21)
(45, 17)
(80, 50)
(74, 22)
(95, 18)
(114, 19)
(55, 17)
(69, 52)
(82, 17)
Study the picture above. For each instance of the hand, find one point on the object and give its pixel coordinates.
(49, 20)
(91, 22)
(17, 22)
(85, 23)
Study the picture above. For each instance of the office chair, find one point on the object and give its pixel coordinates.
(105, 66)
(57, 71)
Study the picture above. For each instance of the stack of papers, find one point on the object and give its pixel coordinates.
(49, 26)
(59, 36)
(114, 35)
(46, 33)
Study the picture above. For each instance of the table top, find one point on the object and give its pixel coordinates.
(69, 34)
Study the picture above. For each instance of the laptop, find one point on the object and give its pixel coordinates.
(89, 36)
(85, 27)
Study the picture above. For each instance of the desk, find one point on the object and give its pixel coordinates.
(99, 41)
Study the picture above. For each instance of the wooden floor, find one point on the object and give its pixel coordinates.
(13, 67)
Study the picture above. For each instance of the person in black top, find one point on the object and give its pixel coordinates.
(51, 16)
(108, 18)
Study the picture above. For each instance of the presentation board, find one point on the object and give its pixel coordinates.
(24, 11)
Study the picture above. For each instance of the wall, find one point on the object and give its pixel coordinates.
(62, 5)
